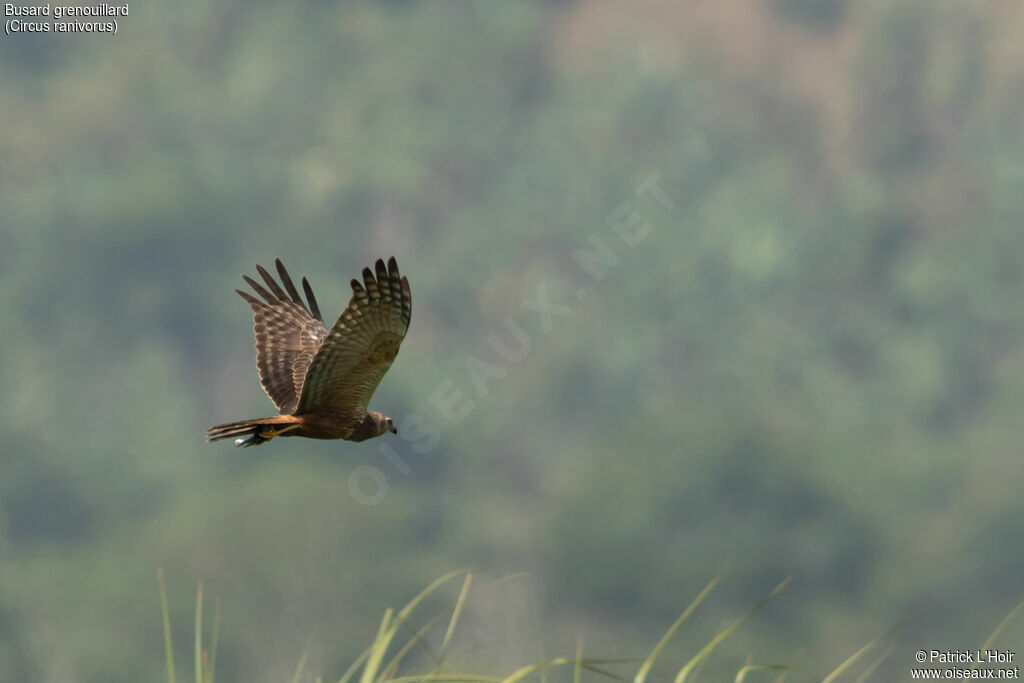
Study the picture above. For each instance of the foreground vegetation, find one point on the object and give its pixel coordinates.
(384, 659)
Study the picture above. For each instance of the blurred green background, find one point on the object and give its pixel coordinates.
(811, 365)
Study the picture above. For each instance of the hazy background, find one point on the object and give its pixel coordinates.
(811, 365)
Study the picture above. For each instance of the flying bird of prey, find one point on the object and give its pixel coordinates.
(321, 380)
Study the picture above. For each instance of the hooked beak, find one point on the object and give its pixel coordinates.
(394, 429)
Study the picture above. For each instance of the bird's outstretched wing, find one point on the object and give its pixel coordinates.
(288, 335)
(360, 347)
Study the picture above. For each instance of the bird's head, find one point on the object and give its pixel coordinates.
(380, 423)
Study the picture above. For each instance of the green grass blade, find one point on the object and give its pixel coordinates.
(794, 666)
(645, 668)
(446, 678)
(199, 633)
(423, 594)
(588, 664)
(355, 665)
(506, 579)
(603, 672)
(167, 625)
(577, 669)
(728, 631)
(525, 671)
(386, 635)
(456, 613)
(419, 639)
(999, 629)
(742, 674)
(302, 661)
(378, 648)
(392, 666)
(214, 637)
(874, 665)
(857, 655)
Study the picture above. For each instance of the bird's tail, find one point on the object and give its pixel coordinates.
(253, 432)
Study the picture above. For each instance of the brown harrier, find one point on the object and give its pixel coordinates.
(321, 381)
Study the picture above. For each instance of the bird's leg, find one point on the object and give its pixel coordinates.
(269, 433)
(262, 434)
